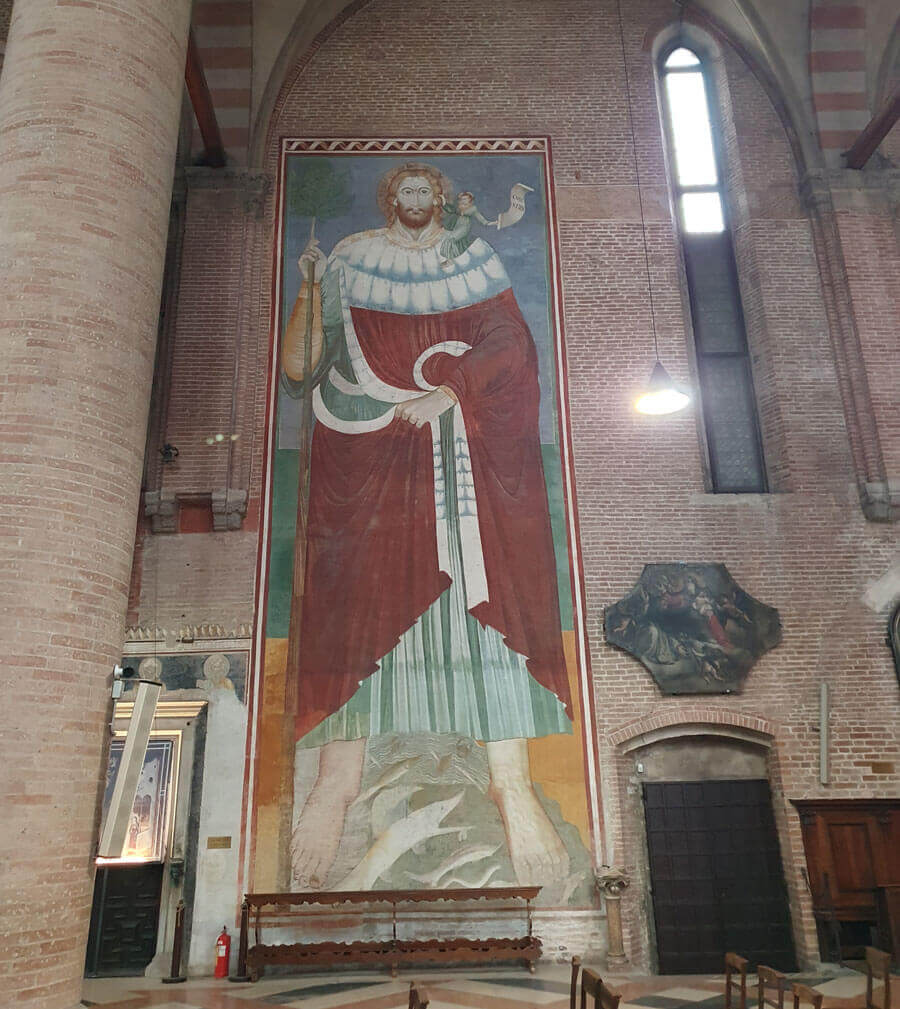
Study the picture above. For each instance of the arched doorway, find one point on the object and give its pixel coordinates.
(716, 878)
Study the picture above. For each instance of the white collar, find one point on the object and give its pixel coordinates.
(399, 234)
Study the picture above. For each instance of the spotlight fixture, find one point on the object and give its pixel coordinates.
(661, 394)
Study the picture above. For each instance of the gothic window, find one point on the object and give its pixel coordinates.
(723, 362)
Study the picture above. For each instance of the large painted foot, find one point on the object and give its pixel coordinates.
(537, 851)
(317, 836)
(316, 839)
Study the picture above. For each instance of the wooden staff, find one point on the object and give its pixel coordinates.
(298, 581)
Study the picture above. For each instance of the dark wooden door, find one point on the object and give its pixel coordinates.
(716, 876)
(124, 919)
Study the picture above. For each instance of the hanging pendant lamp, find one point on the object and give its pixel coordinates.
(661, 395)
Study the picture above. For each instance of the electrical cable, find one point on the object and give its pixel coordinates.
(637, 174)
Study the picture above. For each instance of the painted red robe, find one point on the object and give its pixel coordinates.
(372, 566)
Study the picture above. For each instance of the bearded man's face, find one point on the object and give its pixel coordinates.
(415, 202)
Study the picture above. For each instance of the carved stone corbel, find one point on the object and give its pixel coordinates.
(161, 507)
(229, 506)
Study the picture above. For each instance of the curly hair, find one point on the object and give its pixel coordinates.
(390, 183)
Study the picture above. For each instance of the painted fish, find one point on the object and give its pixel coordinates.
(471, 853)
(398, 839)
(475, 884)
(383, 811)
(394, 773)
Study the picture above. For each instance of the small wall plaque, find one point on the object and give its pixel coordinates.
(218, 842)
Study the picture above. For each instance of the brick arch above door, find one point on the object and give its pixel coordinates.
(692, 719)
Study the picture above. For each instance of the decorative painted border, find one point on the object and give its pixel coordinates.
(458, 145)
(337, 146)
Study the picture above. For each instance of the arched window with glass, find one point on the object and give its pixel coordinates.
(736, 463)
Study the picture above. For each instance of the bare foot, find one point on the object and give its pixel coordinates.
(317, 836)
(537, 851)
(315, 841)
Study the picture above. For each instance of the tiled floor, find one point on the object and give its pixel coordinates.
(462, 988)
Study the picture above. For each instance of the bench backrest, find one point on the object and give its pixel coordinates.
(803, 995)
(573, 985)
(878, 968)
(771, 987)
(418, 996)
(592, 984)
(735, 978)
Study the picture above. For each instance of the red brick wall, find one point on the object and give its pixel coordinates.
(512, 68)
(869, 240)
(207, 333)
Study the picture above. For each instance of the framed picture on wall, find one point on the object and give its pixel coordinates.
(150, 814)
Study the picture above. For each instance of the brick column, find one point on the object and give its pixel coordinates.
(90, 99)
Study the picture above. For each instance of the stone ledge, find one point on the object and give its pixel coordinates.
(228, 508)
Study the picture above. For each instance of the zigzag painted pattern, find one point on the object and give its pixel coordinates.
(443, 145)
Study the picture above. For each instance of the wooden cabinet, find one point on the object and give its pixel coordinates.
(853, 857)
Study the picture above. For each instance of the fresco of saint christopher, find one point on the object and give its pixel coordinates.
(431, 601)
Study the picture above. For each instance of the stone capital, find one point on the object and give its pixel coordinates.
(847, 188)
(611, 882)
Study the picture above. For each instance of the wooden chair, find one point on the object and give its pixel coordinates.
(418, 996)
(591, 984)
(770, 981)
(735, 979)
(573, 987)
(804, 995)
(878, 968)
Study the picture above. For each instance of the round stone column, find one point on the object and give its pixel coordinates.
(90, 100)
(612, 883)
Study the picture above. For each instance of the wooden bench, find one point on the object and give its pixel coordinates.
(769, 978)
(573, 984)
(592, 984)
(418, 996)
(735, 967)
(878, 968)
(804, 995)
(296, 910)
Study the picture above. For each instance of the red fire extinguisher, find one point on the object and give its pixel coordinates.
(223, 949)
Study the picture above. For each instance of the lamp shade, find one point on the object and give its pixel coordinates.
(661, 394)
